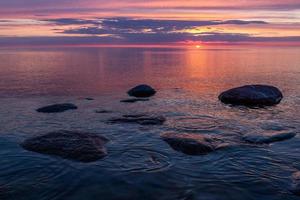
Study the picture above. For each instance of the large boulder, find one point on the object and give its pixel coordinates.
(74, 145)
(268, 138)
(56, 108)
(252, 95)
(141, 91)
(194, 144)
(141, 119)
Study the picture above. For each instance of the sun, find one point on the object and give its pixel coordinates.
(198, 46)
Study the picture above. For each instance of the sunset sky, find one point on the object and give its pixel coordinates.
(96, 22)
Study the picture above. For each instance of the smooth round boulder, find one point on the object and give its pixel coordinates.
(252, 95)
(56, 108)
(141, 91)
(73, 145)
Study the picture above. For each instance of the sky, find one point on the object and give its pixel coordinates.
(149, 22)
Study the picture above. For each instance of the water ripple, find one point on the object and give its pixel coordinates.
(21, 173)
(139, 159)
(203, 123)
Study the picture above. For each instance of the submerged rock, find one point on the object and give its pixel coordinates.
(57, 108)
(295, 186)
(268, 138)
(103, 111)
(194, 144)
(252, 95)
(74, 145)
(134, 115)
(89, 99)
(133, 100)
(142, 91)
(139, 119)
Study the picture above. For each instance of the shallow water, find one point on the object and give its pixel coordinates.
(140, 165)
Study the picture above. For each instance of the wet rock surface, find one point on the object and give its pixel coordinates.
(199, 144)
(268, 138)
(134, 115)
(141, 91)
(89, 99)
(134, 100)
(141, 119)
(252, 95)
(295, 185)
(194, 144)
(103, 111)
(73, 145)
(57, 108)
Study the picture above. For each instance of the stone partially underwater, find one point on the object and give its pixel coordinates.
(200, 144)
(295, 185)
(141, 91)
(89, 99)
(133, 100)
(56, 108)
(195, 144)
(141, 119)
(268, 138)
(103, 111)
(252, 95)
(73, 145)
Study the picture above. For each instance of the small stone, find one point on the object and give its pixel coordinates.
(139, 119)
(89, 99)
(56, 108)
(103, 111)
(133, 100)
(134, 115)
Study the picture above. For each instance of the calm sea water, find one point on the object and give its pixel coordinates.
(140, 165)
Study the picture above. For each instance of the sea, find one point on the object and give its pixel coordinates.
(140, 164)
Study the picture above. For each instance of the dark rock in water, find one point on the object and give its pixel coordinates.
(89, 99)
(142, 91)
(133, 100)
(194, 144)
(79, 146)
(252, 95)
(295, 186)
(134, 115)
(139, 119)
(268, 138)
(57, 108)
(103, 111)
